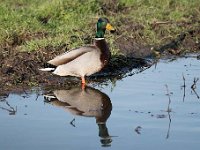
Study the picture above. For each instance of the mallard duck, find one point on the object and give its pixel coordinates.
(89, 102)
(86, 60)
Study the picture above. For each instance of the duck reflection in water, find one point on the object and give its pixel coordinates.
(88, 102)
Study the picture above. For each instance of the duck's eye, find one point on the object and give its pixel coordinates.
(103, 24)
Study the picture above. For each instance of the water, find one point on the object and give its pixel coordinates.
(149, 110)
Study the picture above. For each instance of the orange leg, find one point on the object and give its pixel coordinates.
(83, 82)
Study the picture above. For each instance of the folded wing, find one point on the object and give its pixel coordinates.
(71, 55)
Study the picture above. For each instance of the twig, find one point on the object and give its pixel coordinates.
(193, 87)
(138, 129)
(161, 22)
(73, 122)
(184, 87)
(168, 112)
(169, 126)
(194, 83)
(26, 94)
(156, 63)
(156, 23)
(168, 94)
(37, 97)
(196, 93)
(11, 110)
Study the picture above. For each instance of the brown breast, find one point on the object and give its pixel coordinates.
(105, 52)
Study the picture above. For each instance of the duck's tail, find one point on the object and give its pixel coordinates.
(49, 98)
(48, 67)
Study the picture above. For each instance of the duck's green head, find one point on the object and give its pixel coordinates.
(103, 24)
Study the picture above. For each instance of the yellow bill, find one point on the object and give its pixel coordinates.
(109, 27)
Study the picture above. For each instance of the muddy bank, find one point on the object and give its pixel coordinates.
(137, 47)
(21, 68)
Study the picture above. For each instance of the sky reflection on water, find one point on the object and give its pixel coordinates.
(136, 114)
